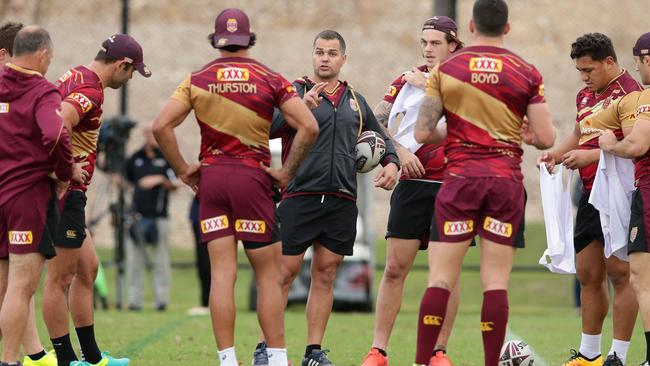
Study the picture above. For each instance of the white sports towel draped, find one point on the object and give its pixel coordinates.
(611, 195)
(559, 257)
(408, 102)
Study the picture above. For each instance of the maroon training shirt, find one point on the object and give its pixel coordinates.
(33, 140)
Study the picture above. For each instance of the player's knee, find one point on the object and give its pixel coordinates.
(619, 277)
(324, 275)
(588, 277)
(636, 280)
(395, 272)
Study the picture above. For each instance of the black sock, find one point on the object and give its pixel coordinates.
(63, 349)
(311, 347)
(16, 363)
(37, 356)
(647, 346)
(88, 344)
(383, 353)
(260, 345)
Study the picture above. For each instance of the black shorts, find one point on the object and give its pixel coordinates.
(411, 211)
(587, 228)
(71, 231)
(639, 219)
(327, 219)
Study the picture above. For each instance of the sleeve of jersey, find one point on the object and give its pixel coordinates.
(624, 110)
(54, 135)
(182, 92)
(643, 108)
(432, 88)
(536, 88)
(393, 90)
(283, 90)
(83, 100)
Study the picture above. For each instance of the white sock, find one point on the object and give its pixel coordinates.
(620, 347)
(590, 345)
(277, 356)
(227, 357)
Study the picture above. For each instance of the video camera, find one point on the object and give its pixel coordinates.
(113, 136)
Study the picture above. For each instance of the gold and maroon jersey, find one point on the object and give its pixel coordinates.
(83, 90)
(233, 100)
(485, 92)
(642, 168)
(589, 103)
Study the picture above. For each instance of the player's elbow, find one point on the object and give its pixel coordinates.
(158, 128)
(546, 140)
(311, 129)
(420, 136)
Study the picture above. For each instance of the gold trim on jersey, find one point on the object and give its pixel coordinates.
(23, 70)
(229, 117)
(486, 112)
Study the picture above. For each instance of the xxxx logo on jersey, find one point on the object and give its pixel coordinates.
(644, 108)
(214, 224)
(485, 64)
(497, 227)
(82, 100)
(432, 320)
(233, 74)
(20, 237)
(458, 227)
(250, 226)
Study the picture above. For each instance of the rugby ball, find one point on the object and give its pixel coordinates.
(516, 353)
(370, 149)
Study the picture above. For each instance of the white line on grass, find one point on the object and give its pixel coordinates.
(539, 361)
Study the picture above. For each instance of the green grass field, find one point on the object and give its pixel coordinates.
(541, 312)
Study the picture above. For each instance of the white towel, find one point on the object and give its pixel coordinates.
(408, 103)
(611, 195)
(559, 257)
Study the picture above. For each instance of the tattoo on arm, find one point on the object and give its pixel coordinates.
(382, 112)
(392, 138)
(298, 152)
(430, 113)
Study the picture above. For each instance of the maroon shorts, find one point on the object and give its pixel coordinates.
(490, 207)
(236, 200)
(23, 222)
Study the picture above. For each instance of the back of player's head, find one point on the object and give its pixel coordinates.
(31, 39)
(8, 33)
(329, 35)
(232, 31)
(490, 17)
(596, 45)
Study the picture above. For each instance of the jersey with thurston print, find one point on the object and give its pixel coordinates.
(233, 99)
(485, 92)
(432, 156)
(588, 103)
(82, 89)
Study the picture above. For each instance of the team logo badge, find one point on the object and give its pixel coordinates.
(231, 25)
(432, 320)
(485, 64)
(250, 226)
(633, 233)
(82, 100)
(214, 224)
(497, 227)
(584, 101)
(353, 105)
(4, 107)
(222, 41)
(291, 89)
(20, 237)
(70, 234)
(458, 227)
(487, 326)
(392, 91)
(233, 74)
(541, 90)
(607, 102)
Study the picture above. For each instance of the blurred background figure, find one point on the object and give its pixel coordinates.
(202, 263)
(152, 179)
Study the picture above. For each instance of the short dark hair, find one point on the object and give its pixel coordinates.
(596, 45)
(490, 17)
(450, 39)
(30, 40)
(329, 34)
(8, 33)
(233, 48)
(104, 58)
